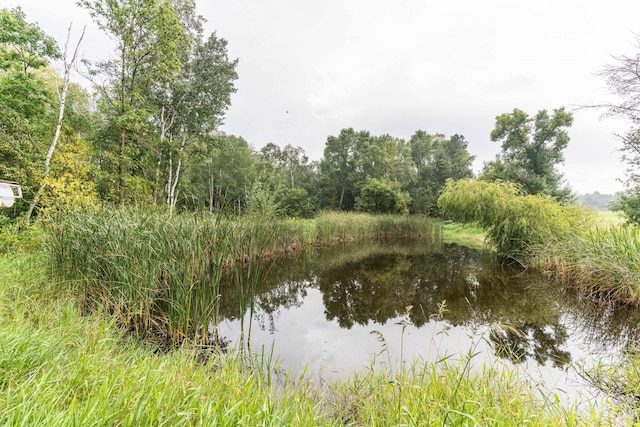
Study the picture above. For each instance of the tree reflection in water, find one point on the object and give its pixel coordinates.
(374, 281)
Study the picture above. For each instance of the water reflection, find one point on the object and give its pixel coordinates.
(372, 282)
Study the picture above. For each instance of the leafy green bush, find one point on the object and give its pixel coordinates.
(20, 236)
(295, 202)
(629, 205)
(383, 196)
(513, 221)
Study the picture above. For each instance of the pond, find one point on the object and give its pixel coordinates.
(340, 309)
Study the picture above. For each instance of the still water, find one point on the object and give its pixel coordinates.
(341, 309)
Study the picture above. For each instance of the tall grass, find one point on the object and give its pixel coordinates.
(159, 276)
(60, 367)
(603, 262)
(154, 274)
(335, 226)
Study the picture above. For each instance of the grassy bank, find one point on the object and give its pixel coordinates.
(159, 276)
(578, 248)
(60, 367)
(467, 235)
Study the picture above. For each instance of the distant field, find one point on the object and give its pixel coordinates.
(610, 218)
(473, 236)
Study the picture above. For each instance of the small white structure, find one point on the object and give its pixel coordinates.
(9, 192)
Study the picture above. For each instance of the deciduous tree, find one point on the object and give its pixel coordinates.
(531, 148)
(26, 101)
(437, 159)
(623, 79)
(149, 38)
(338, 169)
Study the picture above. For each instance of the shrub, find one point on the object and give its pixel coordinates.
(383, 196)
(513, 221)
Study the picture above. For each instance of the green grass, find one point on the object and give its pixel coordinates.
(159, 276)
(602, 262)
(60, 367)
(465, 235)
(609, 219)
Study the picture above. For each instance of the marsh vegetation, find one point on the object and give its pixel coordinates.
(119, 276)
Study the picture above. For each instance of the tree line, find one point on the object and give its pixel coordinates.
(148, 132)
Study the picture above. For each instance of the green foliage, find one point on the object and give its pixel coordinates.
(530, 150)
(338, 174)
(19, 236)
(382, 196)
(295, 202)
(513, 221)
(291, 177)
(68, 185)
(149, 40)
(437, 159)
(262, 200)
(24, 46)
(189, 107)
(219, 172)
(356, 163)
(629, 204)
(26, 103)
(384, 158)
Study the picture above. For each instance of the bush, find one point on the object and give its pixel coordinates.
(629, 205)
(383, 196)
(20, 235)
(513, 222)
(295, 202)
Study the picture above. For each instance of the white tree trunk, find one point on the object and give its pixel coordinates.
(63, 100)
(172, 196)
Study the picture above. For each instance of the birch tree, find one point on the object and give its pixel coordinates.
(66, 79)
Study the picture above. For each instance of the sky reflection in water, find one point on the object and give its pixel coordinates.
(321, 308)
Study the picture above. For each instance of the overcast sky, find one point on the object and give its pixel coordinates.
(311, 68)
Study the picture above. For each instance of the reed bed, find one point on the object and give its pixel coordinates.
(602, 262)
(159, 276)
(61, 367)
(336, 226)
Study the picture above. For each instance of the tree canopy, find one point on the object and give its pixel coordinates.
(149, 134)
(531, 148)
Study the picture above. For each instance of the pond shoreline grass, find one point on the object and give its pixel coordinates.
(467, 235)
(573, 245)
(62, 367)
(159, 275)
